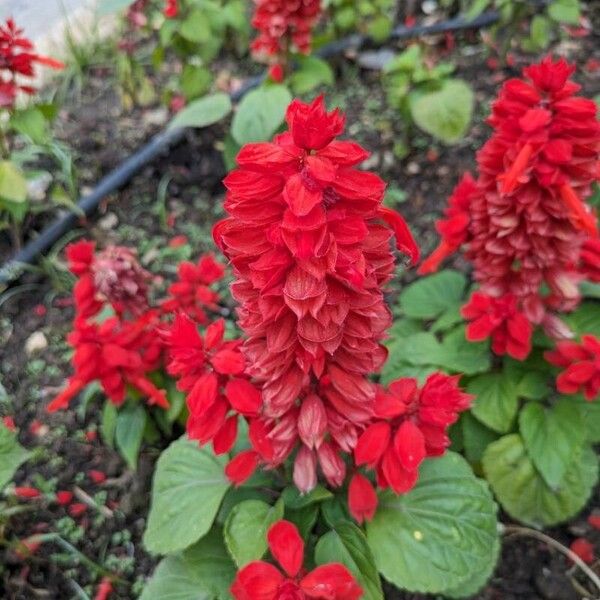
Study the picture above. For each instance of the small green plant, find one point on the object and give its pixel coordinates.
(374, 18)
(427, 96)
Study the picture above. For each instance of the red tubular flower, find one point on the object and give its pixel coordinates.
(581, 364)
(17, 61)
(116, 353)
(310, 248)
(499, 318)
(525, 222)
(284, 26)
(410, 424)
(192, 294)
(260, 580)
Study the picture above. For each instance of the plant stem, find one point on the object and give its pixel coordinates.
(542, 537)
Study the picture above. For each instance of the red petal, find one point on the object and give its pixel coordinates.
(372, 444)
(404, 239)
(258, 580)
(240, 468)
(409, 444)
(362, 499)
(332, 582)
(243, 397)
(287, 546)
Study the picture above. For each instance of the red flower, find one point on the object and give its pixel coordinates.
(583, 549)
(191, 294)
(17, 61)
(260, 580)
(309, 243)
(64, 497)
(77, 509)
(104, 589)
(590, 259)
(116, 353)
(525, 222)
(284, 26)
(9, 423)
(96, 476)
(499, 319)
(362, 499)
(171, 9)
(581, 364)
(276, 73)
(27, 492)
(410, 424)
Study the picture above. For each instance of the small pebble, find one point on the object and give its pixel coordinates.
(35, 343)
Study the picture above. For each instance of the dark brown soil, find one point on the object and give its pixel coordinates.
(67, 444)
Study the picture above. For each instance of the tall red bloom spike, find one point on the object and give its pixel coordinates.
(527, 229)
(260, 580)
(309, 243)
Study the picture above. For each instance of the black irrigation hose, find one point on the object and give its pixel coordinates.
(87, 205)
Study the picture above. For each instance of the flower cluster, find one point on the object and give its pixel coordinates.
(529, 234)
(409, 425)
(137, 12)
(17, 62)
(309, 243)
(260, 580)
(122, 349)
(283, 26)
(581, 364)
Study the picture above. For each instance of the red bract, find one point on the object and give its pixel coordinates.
(112, 276)
(211, 371)
(309, 243)
(17, 61)
(118, 354)
(581, 364)
(410, 424)
(192, 294)
(284, 27)
(260, 580)
(524, 221)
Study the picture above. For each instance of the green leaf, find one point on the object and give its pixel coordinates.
(303, 518)
(496, 401)
(565, 11)
(591, 418)
(448, 319)
(188, 486)
(585, 319)
(590, 290)
(202, 572)
(540, 31)
(108, 424)
(430, 297)
(476, 437)
(417, 349)
(439, 535)
(462, 356)
(312, 73)
(107, 7)
(246, 528)
(13, 186)
(195, 81)
(522, 491)
(196, 27)
(12, 455)
(260, 114)
(203, 112)
(129, 432)
(379, 28)
(293, 499)
(444, 113)
(32, 123)
(551, 437)
(347, 544)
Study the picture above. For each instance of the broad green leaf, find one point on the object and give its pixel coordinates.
(245, 531)
(235, 495)
(397, 369)
(585, 319)
(441, 534)
(202, 572)
(448, 319)
(303, 518)
(430, 297)
(476, 437)
(540, 31)
(203, 112)
(476, 8)
(522, 491)
(312, 72)
(196, 27)
(590, 290)
(129, 432)
(347, 544)
(107, 7)
(195, 81)
(108, 424)
(406, 61)
(565, 11)
(13, 186)
(496, 401)
(591, 417)
(12, 455)
(552, 436)
(32, 123)
(462, 356)
(417, 349)
(379, 28)
(294, 499)
(188, 486)
(260, 114)
(444, 113)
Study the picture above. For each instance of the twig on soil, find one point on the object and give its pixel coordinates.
(87, 499)
(538, 535)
